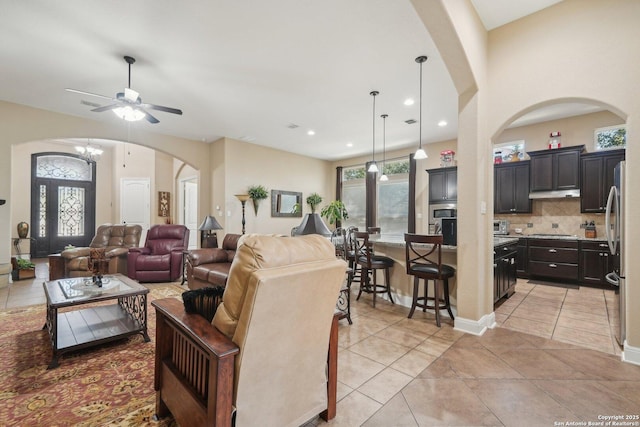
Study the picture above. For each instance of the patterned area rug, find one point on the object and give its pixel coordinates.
(107, 385)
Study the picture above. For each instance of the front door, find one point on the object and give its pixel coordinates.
(63, 202)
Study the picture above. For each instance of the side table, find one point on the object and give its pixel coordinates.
(56, 267)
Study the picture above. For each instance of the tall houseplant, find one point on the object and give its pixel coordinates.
(314, 200)
(335, 212)
(257, 193)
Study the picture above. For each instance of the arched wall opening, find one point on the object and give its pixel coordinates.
(119, 160)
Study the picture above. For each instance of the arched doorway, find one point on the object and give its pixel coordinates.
(579, 309)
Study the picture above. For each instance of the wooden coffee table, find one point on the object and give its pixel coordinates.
(84, 327)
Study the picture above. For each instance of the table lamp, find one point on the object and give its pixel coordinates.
(208, 237)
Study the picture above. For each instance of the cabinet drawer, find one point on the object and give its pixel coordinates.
(554, 243)
(558, 255)
(595, 246)
(554, 269)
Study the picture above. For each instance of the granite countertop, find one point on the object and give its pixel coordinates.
(504, 240)
(557, 237)
(397, 240)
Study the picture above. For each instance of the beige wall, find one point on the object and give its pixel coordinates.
(242, 165)
(576, 130)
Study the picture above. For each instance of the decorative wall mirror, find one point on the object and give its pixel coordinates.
(286, 203)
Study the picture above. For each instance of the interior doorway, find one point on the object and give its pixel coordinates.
(189, 208)
(135, 204)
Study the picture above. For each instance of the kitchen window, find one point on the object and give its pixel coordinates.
(393, 198)
(353, 196)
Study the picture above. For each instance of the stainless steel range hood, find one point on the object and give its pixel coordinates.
(556, 194)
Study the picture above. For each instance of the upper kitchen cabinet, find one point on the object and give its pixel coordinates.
(443, 184)
(555, 170)
(597, 178)
(511, 188)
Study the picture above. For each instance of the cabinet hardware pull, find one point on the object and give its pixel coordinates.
(552, 265)
(552, 250)
(603, 245)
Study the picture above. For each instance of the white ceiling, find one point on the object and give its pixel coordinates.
(245, 71)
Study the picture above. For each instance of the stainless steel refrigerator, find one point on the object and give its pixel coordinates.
(615, 238)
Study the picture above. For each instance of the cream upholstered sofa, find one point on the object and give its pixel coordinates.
(266, 349)
(115, 239)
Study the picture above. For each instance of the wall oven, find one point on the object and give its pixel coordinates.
(439, 211)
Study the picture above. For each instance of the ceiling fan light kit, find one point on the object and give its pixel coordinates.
(128, 105)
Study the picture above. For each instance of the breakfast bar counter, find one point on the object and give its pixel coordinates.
(393, 246)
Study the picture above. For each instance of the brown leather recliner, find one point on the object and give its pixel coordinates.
(210, 266)
(272, 366)
(115, 239)
(160, 260)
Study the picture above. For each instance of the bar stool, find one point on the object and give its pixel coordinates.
(369, 262)
(428, 266)
(351, 255)
(343, 305)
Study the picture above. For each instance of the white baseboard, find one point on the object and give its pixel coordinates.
(631, 354)
(475, 327)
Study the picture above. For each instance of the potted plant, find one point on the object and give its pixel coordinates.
(23, 269)
(257, 193)
(314, 200)
(334, 212)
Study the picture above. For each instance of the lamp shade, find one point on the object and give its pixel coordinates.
(209, 223)
(312, 224)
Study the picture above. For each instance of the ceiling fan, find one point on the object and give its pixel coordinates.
(128, 105)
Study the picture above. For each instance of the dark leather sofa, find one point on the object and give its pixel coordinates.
(210, 266)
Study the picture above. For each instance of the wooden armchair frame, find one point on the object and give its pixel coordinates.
(195, 368)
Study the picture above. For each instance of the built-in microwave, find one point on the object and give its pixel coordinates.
(439, 211)
(500, 227)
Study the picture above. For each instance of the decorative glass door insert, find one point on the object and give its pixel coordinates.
(63, 202)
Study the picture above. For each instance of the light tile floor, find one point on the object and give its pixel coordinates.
(394, 371)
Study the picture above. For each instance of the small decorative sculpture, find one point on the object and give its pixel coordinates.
(98, 264)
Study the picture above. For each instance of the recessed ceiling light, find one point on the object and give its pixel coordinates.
(349, 144)
(442, 123)
(409, 101)
(311, 132)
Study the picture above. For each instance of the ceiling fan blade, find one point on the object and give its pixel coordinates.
(149, 117)
(88, 93)
(162, 108)
(105, 108)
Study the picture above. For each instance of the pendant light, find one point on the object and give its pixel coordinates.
(420, 153)
(384, 177)
(374, 167)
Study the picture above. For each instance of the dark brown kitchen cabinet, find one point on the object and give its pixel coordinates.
(522, 261)
(554, 258)
(511, 188)
(557, 169)
(597, 179)
(595, 262)
(504, 271)
(443, 184)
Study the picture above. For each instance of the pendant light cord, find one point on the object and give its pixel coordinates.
(420, 142)
(373, 150)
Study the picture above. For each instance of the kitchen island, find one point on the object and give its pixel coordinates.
(393, 246)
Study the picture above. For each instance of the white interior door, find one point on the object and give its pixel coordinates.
(190, 210)
(135, 203)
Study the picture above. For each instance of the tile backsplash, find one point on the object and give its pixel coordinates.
(557, 216)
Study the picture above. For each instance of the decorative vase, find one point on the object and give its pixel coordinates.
(255, 205)
(23, 230)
